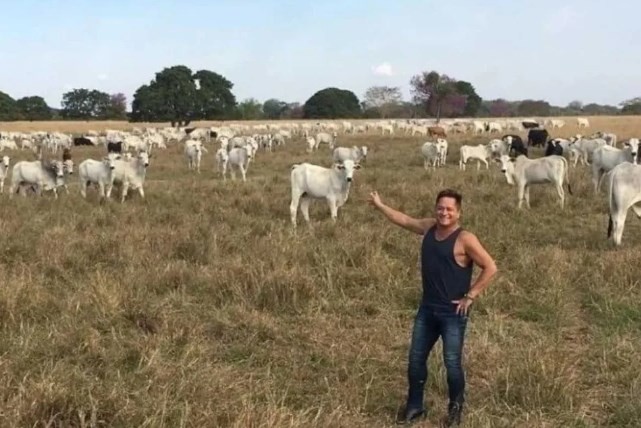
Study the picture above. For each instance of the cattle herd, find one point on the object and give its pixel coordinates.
(128, 156)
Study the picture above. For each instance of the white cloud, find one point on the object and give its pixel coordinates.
(383, 69)
(103, 76)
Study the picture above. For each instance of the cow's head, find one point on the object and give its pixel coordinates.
(110, 160)
(348, 167)
(143, 158)
(67, 166)
(57, 168)
(633, 145)
(364, 152)
(507, 167)
(5, 161)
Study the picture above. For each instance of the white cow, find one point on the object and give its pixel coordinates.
(624, 192)
(311, 144)
(49, 176)
(4, 168)
(582, 122)
(605, 158)
(325, 138)
(222, 157)
(431, 154)
(481, 153)
(194, 154)
(130, 173)
(524, 172)
(442, 145)
(499, 148)
(239, 157)
(355, 153)
(316, 182)
(585, 148)
(91, 171)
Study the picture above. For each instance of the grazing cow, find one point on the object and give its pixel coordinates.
(442, 149)
(481, 153)
(83, 141)
(316, 182)
(91, 171)
(130, 173)
(436, 131)
(499, 148)
(537, 137)
(610, 139)
(493, 127)
(325, 138)
(605, 158)
(41, 176)
(516, 146)
(624, 192)
(114, 147)
(355, 153)
(524, 172)
(4, 168)
(529, 125)
(585, 148)
(582, 122)
(554, 148)
(240, 158)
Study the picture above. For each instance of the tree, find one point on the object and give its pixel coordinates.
(473, 101)
(215, 99)
(8, 108)
(332, 103)
(575, 105)
(117, 106)
(499, 108)
(533, 108)
(250, 109)
(174, 97)
(85, 104)
(382, 98)
(431, 89)
(33, 108)
(632, 108)
(274, 109)
(293, 111)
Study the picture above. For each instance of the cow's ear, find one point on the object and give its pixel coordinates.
(357, 166)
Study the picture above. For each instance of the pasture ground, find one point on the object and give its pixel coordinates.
(199, 306)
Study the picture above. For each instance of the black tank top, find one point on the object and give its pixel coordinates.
(444, 279)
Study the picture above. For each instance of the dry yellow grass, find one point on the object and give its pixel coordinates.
(200, 307)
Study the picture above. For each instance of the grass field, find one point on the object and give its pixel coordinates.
(200, 307)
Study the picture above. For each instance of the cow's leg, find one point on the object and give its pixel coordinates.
(293, 207)
(83, 188)
(232, 171)
(526, 196)
(478, 165)
(304, 208)
(333, 208)
(425, 164)
(141, 192)
(559, 190)
(101, 190)
(487, 165)
(123, 194)
(618, 221)
(521, 192)
(243, 172)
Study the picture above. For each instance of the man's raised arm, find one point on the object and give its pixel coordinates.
(418, 226)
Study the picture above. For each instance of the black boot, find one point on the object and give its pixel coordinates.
(407, 417)
(454, 411)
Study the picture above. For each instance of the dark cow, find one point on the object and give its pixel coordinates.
(82, 141)
(553, 148)
(537, 137)
(114, 147)
(213, 134)
(529, 125)
(189, 130)
(436, 131)
(517, 148)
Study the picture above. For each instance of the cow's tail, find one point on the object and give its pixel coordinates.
(567, 174)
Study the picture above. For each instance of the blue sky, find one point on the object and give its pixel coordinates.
(556, 50)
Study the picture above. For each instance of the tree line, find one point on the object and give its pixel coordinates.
(179, 95)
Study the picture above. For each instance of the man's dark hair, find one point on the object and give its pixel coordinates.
(450, 193)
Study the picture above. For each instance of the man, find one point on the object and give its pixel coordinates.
(448, 254)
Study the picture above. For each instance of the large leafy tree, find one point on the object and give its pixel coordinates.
(8, 108)
(173, 96)
(472, 100)
(33, 108)
(431, 89)
(250, 109)
(384, 99)
(331, 103)
(274, 109)
(85, 104)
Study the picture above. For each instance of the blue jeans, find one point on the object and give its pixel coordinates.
(429, 325)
